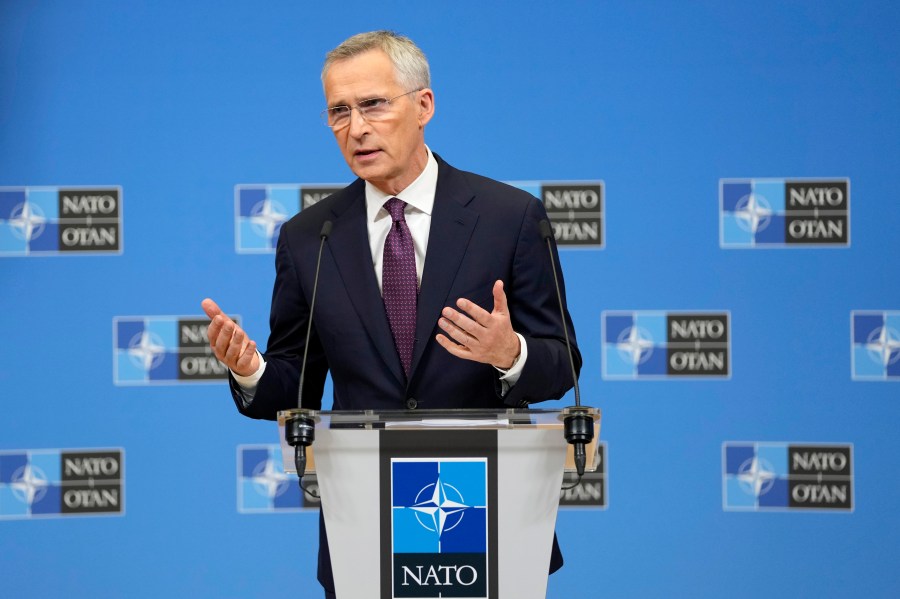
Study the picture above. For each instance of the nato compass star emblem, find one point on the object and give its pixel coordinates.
(883, 345)
(266, 218)
(146, 350)
(635, 344)
(753, 213)
(756, 476)
(435, 510)
(29, 484)
(269, 479)
(27, 221)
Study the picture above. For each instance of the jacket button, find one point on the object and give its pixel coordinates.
(411, 403)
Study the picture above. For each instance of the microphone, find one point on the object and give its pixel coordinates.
(300, 431)
(578, 426)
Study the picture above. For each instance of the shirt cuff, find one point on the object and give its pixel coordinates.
(511, 376)
(248, 383)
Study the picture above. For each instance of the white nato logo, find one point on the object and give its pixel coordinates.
(883, 345)
(435, 510)
(146, 350)
(27, 221)
(635, 344)
(753, 213)
(266, 217)
(29, 484)
(756, 476)
(269, 479)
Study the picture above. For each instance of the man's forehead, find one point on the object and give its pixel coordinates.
(367, 75)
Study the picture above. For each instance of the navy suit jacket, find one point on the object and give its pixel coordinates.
(481, 231)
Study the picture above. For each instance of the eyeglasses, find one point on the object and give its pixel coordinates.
(373, 109)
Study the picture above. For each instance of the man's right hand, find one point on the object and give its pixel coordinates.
(229, 341)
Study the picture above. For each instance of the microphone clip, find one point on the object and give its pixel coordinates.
(300, 432)
(578, 428)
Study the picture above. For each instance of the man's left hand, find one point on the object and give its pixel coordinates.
(482, 336)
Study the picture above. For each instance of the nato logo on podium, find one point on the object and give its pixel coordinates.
(439, 522)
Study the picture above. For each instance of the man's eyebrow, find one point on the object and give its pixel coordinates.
(358, 99)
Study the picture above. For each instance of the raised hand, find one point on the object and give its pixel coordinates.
(229, 341)
(482, 336)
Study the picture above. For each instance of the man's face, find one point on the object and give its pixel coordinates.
(388, 153)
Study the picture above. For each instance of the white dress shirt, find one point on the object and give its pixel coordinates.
(419, 198)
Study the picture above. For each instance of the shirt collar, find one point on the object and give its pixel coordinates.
(419, 194)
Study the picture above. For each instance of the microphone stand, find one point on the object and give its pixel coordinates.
(578, 425)
(300, 429)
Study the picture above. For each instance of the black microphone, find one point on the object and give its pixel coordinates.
(578, 425)
(300, 431)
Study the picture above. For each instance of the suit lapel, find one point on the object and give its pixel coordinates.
(452, 224)
(349, 247)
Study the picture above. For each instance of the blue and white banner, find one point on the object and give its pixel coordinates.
(54, 483)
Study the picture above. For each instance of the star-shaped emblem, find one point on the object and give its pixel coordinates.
(27, 220)
(270, 479)
(267, 217)
(439, 507)
(636, 344)
(29, 483)
(884, 345)
(753, 213)
(146, 350)
(756, 476)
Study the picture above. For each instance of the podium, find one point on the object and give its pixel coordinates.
(439, 503)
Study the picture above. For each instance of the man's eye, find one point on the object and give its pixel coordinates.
(373, 104)
(339, 111)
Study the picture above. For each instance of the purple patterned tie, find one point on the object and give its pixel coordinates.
(399, 282)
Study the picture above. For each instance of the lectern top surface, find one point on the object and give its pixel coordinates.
(510, 418)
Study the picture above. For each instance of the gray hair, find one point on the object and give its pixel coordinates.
(410, 64)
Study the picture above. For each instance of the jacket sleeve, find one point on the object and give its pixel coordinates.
(535, 314)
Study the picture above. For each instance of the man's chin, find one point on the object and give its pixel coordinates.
(368, 172)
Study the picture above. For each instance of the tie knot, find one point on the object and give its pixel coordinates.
(395, 206)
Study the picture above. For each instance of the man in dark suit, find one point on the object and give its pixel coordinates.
(478, 324)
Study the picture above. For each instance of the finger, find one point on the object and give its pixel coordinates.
(457, 350)
(456, 333)
(245, 361)
(211, 308)
(461, 320)
(223, 341)
(236, 347)
(214, 330)
(474, 311)
(500, 305)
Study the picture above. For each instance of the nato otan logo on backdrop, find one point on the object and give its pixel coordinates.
(875, 345)
(648, 345)
(263, 485)
(47, 221)
(591, 491)
(768, 213)
(439, 527)
(575, 209)
(52, 483)
(260, 210)
(153, 350)
(787, 476)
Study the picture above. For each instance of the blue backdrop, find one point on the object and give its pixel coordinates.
(179, 102)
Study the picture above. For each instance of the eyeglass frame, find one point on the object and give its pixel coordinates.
(325, 113)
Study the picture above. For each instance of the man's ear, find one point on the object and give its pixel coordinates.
(426, 106)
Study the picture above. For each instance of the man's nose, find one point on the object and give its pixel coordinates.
(358, 124)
